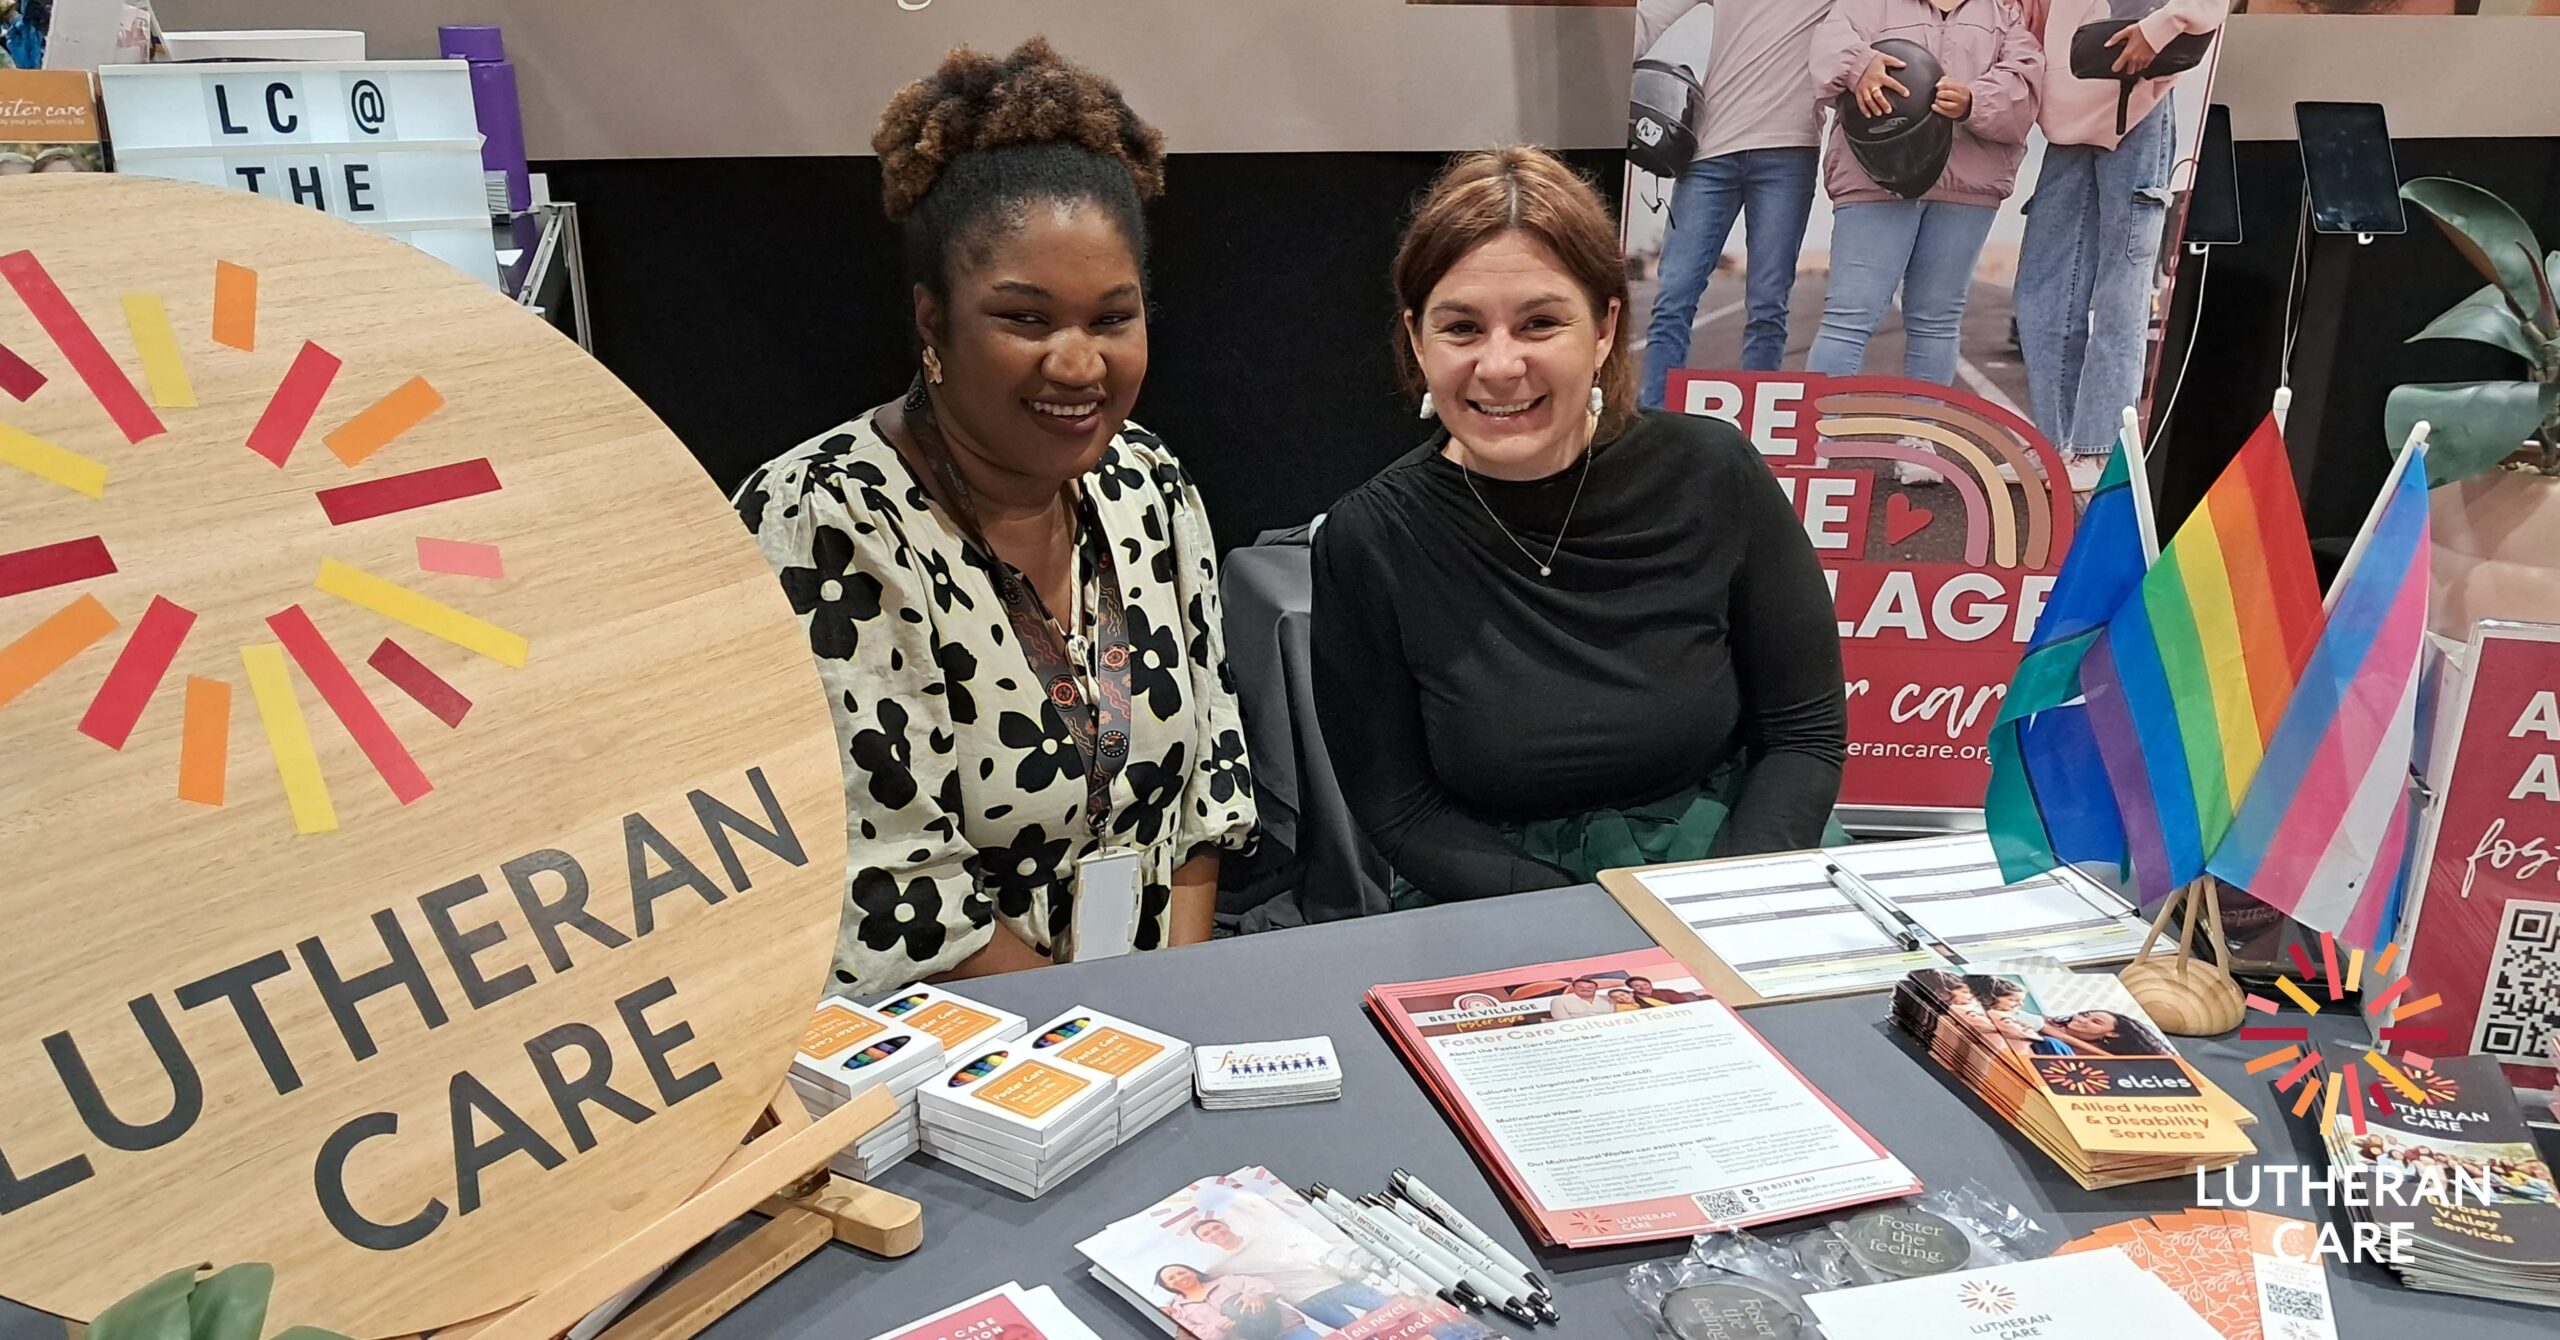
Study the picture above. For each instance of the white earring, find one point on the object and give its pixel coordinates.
(1429, 410)
(1599, 401)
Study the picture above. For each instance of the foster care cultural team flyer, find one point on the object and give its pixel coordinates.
(1617, 1101)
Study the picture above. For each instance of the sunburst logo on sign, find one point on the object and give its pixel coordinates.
(1992, 1300)
(2413, 1080)
(138, 671)
(2078, 1078)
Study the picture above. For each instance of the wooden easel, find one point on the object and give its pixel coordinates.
(781, 1172)
(2184, 994)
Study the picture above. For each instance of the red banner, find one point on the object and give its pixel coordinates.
(2484, 936)
(1936, 578)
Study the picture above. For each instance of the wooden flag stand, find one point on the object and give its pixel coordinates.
(2184, 994)
(780, 1172)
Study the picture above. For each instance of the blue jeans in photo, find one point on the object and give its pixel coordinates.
(1771, 190)
(2085, 274)
(1342, 1304)
(1927, 249)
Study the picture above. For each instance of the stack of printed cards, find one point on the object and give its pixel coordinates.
(1018, 1118)
(1267, 1074)
(2076, 1066)
(2251, 1276)
(849, 1049)
(1009, 1313)
(2453, 1173)
(1150, 1072)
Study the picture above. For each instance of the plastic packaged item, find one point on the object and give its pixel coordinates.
(1742, 1284)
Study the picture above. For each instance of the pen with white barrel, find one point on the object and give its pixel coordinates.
(1508, 1290)
(1417, 1249)
(1429, 1202)
(1450, 1285)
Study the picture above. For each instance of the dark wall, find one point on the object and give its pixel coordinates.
(2387, 291)
(754, 302)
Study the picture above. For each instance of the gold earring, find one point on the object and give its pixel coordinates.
(932, 366)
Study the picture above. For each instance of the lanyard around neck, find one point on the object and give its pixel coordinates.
(1097, 723)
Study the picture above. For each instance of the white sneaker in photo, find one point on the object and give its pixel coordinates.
(2085, 471)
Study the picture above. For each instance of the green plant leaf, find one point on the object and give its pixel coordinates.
(2471, 425)
(307, 1333)
(156, 1311)
(233, 1304)
(2485, 318)
(2491, 235)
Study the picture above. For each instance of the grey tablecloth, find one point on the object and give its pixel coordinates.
(1310, 981)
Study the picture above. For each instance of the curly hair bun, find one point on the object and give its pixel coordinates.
(978, 102)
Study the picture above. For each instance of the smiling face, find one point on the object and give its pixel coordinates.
(1043, 344)
(1586, 988)
(2091, 1025)
(1510, 347)
(1217, 1234)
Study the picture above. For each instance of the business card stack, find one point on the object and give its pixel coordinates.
(849, 1049)
(1021, 1119)
(1150, 1071)
(2076, 1066)
(1267, 1074)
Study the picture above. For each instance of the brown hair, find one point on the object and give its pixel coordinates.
(1482, 195)
(965, 150)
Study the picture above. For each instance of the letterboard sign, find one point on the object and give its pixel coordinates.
(391, 145)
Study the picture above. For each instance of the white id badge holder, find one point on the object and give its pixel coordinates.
(1106, 914)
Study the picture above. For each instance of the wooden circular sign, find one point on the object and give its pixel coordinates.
(421, 829)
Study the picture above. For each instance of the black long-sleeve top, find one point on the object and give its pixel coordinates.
(1687, 623)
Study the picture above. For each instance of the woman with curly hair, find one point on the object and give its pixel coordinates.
(1009, 588)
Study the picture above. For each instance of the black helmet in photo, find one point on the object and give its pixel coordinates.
(1906, 148)
(1662, 117)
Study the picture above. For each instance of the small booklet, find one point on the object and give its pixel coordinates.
(2076, 1066)
(1009, 1313)
(1614, 1100)
(1244, 1255)
(1150, 1071)
(2457, 1176)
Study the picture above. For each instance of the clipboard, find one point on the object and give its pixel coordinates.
(1663, 922)
(1675, 937)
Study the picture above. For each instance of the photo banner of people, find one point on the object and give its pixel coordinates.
(1936, 238)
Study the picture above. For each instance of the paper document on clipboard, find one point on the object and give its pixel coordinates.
(1783, 930)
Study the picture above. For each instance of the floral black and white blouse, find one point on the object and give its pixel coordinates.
(964, 794)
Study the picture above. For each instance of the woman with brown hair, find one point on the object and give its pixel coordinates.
(1009, 588)
(1563, 634)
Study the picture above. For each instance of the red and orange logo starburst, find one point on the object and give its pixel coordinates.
(1992, 1300)
(2076, 1077)
(2413, 1080)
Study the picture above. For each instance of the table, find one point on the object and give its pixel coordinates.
(1310, 980)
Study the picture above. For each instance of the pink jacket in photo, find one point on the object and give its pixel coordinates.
(1988, 44)
(2083, 111)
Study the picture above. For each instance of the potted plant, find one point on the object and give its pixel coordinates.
(192, 1305)
(2493, 446)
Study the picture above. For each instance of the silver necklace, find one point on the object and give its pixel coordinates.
(1547, 568)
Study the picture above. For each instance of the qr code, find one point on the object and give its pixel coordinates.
(2520, 1000)
(1724, 1207)
(2299, 1304)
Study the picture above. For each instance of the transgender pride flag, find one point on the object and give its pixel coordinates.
(2324, 835)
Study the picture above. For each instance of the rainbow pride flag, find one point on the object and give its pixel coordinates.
(2326, 838)
(2188, 680)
